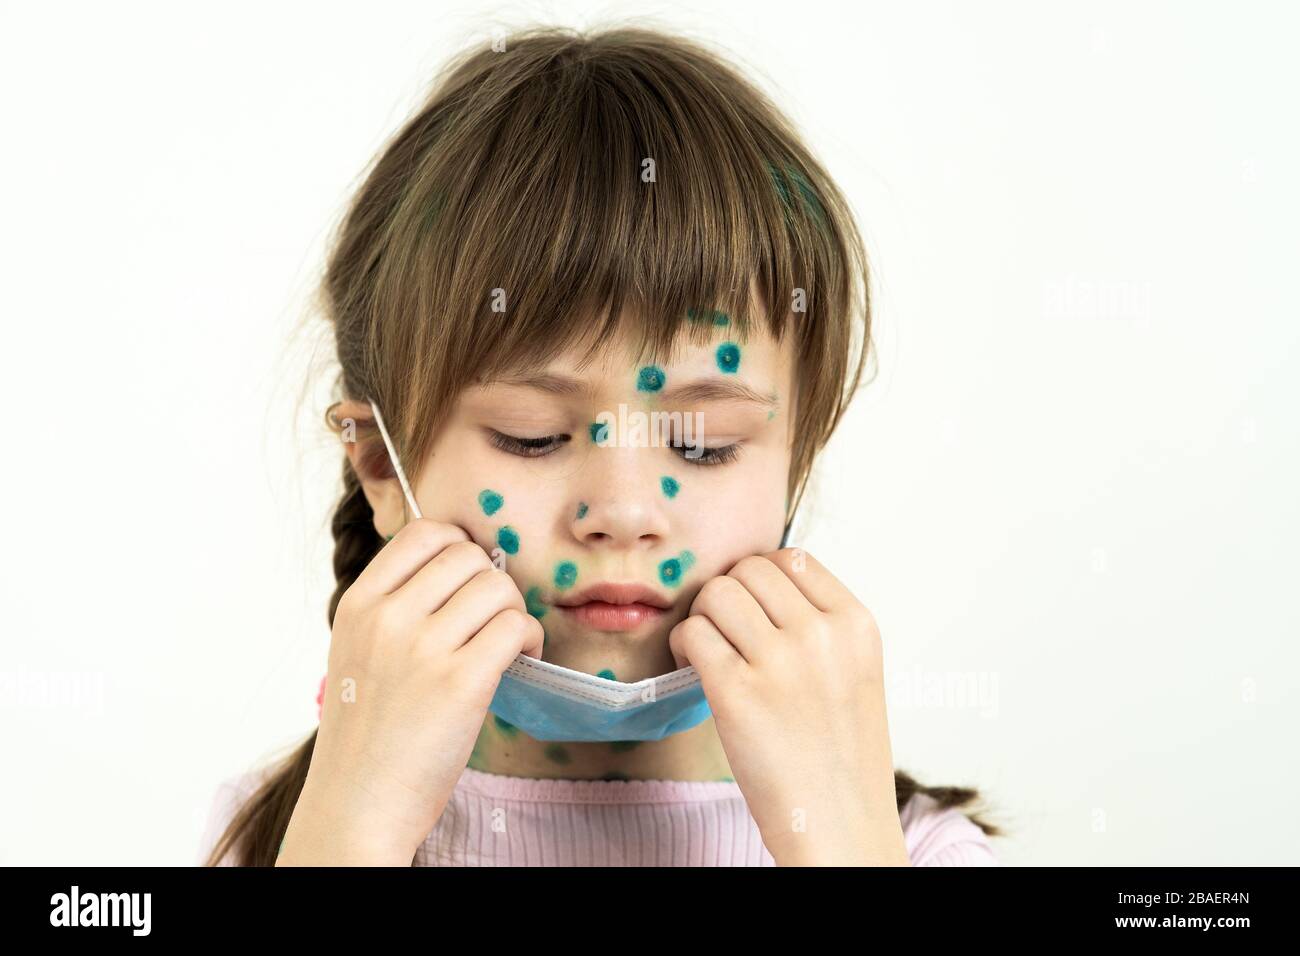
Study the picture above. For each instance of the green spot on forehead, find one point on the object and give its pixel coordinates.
(566, 573)
(670, 486)
(508, 540)
(708, 315)
(728, 356)
(650, 379)
(808, 196)
(490, 501)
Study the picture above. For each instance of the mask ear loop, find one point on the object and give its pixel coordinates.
(392, 456)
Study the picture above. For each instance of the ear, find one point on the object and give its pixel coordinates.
(355, 424)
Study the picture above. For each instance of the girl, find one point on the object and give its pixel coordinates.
(578, 235)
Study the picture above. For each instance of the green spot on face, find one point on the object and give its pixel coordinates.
(650, 379)
(566, 572)
(806, 193)
(671, 571)
(508, 540)
(622, 746)
(490, 501)
(557, 753)
(670, 486)
(599, 433)
(507, 729)
(703, 315)
(582, 510)
(533, 601)
(614, 775)
(728, 356)
(607, 674)
(771, 415)
(726, 779)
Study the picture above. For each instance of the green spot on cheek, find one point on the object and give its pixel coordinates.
(557, 753)
(506, 728)
(582, 510)
(533, 601)
(728, 356)
(599, 433)
(566, 572)
(490, 501)
(671, 571)
(650, 379)
(607, 674)
(508, 540)
(622, 746)
(670, 486)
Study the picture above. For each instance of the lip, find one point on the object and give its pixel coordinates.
(608, 606)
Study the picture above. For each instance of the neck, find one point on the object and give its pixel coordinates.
(694, 754)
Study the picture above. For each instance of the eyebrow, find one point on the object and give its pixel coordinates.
(701, 390)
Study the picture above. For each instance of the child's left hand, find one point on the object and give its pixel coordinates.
(792, 666)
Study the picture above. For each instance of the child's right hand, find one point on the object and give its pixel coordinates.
(419, 644)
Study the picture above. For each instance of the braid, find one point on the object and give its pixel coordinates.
(906, 787)
(355, 539)
(254, 834)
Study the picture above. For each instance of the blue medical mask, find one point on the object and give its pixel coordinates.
(550, 702)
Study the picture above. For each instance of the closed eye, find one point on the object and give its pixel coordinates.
(708, 456)
(526, 447)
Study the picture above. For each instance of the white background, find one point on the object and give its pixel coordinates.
(1073, 480)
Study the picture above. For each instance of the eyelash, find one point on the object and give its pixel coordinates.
(541, 447)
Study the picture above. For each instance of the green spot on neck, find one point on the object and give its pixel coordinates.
(607, 674)
(507, 729)
(622, 746)
(556, 753)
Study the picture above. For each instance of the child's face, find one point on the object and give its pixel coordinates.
(567, 514)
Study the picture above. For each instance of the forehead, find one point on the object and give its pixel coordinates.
(757, 362)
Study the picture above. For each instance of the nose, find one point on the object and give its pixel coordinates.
(619, 501)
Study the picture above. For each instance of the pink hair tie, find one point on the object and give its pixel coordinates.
(320, 699)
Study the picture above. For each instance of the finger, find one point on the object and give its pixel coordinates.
(696, 641)
(811, 577)
(782, 602)
(470, 608)
(508, 634)
(729, 605)
(411, 549)
(430, 588)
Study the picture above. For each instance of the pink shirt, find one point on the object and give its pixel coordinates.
(496, 820)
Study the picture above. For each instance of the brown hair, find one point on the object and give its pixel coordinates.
(624, 175)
